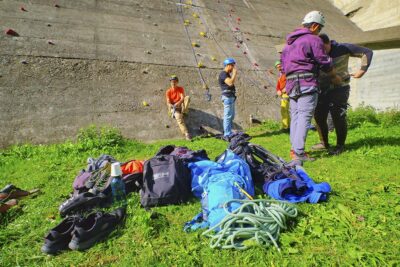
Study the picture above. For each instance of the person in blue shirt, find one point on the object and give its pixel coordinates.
(333, 98)
(226, 81)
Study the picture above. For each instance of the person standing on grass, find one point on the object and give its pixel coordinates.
(333, 98)
(302, 58)
(281, 91)
(178, 104)
(226, 81)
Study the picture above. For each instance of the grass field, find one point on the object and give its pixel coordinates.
(358, 226)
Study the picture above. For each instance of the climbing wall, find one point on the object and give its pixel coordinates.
(67, 64)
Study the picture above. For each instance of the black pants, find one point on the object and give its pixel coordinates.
(335, 102)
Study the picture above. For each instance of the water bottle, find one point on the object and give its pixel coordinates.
(117, 185)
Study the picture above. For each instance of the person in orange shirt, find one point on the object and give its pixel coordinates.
(178, 104)
(281, 91)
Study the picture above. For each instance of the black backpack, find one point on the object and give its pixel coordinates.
(166, 180)
(263, 164)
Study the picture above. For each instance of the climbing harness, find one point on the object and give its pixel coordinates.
(194, 44)
(257, 221)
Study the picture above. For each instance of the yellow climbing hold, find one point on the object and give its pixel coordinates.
(145, 103)
(203, 34)
(205, 86)
(186, 22)
(195, 15)
(213, 58)
(200, 65)
(188, 2)
(194, 44)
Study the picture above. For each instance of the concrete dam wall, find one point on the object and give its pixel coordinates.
(75, 63)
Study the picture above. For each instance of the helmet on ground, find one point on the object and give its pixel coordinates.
(229, 61)
(314, 17)
(173, 78)
(278, 62)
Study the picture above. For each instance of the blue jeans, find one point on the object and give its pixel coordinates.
(229, 113)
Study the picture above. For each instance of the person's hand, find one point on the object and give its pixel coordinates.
(234, 70)
(279, 93)
(336, 80)
(358, 74)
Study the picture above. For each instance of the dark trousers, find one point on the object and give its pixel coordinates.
(334, 102)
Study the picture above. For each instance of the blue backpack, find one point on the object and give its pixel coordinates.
(216, 183)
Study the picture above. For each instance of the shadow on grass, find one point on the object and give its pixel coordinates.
(374, 141)
(271, 133)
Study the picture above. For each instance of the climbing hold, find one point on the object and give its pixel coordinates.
(244, 52)
(248, 39)
(233, 11)
(194, 44)
(205, 86)
(56, 5)
(186, 22)
(200, 65)
(237, 29)
(145, 103)
(24, 61)
(147, 52)
(155, 24)
(255, 64)
(48, 25)
(213, 58)
(11, 32)
(148, 16)
(22, 8)
(265, 87)
(188, 3)
(203, 34)
(241, 42)
(195, 15)
(166, 126)
(238, 19)
(238, 46)
(50, 42)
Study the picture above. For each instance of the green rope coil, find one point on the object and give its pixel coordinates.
(257, 221)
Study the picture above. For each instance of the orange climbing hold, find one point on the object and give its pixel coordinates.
(238, 19)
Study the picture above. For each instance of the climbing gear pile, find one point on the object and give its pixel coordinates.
(255, 222)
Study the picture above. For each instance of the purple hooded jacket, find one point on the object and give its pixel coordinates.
(304, 53)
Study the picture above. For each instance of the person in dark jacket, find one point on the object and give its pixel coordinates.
(333, 98)
(226, 81)
(302, 58)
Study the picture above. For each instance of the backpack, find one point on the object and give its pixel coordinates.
(184, 153)
(166, 180)
(264, 165)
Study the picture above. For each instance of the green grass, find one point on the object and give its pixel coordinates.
(359, 225)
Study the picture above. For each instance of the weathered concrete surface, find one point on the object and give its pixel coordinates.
(371, 14)
(108, 56)
(379, 86)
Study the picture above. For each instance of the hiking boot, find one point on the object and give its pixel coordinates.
(319, 146)
(82, 202)
(59, 237)
(94, 228)
(11, 192)
(303, 157)
(336, 151)
(4, 207)
(292, 154)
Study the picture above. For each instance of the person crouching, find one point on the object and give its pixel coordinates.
(178, 104)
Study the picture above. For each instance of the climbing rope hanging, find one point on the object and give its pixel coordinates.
(199, 64)
(254, 222)
(210, 34)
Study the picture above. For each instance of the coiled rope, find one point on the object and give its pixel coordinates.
(255, 221)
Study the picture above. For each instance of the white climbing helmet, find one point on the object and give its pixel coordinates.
(314, 16)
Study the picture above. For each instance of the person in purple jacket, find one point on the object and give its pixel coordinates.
(333, 98)
(302, 58)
